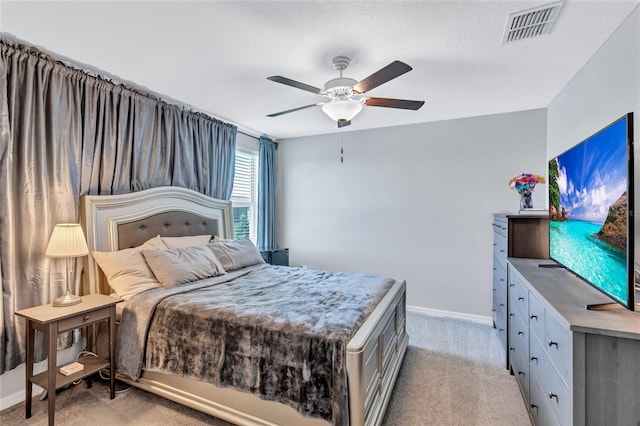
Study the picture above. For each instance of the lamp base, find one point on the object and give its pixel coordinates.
(67, 300)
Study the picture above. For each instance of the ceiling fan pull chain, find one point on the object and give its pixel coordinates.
(341, 147)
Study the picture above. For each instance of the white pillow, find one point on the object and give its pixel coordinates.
(236, 254)
(179, 266)
(184, 242)
(126, 270)
(217, 239)
(155, 242)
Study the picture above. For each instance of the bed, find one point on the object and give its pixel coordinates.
(373, 354)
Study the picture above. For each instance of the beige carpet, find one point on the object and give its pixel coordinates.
(452, 375)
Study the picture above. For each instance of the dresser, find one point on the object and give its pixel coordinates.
(513, 236)
(574, 366)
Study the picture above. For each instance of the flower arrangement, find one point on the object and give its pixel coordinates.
(524, 184)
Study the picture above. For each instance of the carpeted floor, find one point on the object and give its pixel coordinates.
(452, 375)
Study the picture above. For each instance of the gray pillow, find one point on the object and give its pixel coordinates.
(182, 265)
(236, 254)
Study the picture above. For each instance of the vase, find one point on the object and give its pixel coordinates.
(526, 201)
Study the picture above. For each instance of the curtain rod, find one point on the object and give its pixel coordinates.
(247, 134)
(93, 71)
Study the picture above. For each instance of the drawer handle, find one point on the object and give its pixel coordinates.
(553, 395)
(501, 279)
(502, 304)
(494, 268)
(534, 407)
(521, 333)
(512, 348)
(494, 289)
(535, 317)
(501, 329)
(520, 298)
(512, 315)
(512, 285)
(501, 251)
(521, 373)
(86, 318)
(552, 343)
(533, 358)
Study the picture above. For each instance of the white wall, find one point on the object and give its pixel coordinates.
(411, 202)
(605, 89)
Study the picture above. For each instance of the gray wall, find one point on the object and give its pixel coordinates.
(605, 89)
(411, 202)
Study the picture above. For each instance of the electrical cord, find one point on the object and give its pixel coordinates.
(104, 375)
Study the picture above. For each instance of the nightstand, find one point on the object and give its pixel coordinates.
(52, 320)
(276, 257)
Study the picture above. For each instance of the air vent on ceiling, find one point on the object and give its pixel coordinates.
(531, 23)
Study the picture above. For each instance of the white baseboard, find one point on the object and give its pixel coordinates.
(18, 397)
(12, 382)
(479, 319)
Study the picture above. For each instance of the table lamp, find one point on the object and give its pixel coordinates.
(67, 241)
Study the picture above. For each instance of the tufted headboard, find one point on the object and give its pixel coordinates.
(114, 222)
(167, 224)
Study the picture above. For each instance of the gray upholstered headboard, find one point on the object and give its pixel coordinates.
(167, 224)
(114, 222)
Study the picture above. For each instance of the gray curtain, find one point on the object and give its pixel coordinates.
(267, 172)
(66, 133)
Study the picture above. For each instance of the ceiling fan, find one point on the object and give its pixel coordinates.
(346, 95)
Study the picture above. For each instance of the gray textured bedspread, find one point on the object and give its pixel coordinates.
(277, 332)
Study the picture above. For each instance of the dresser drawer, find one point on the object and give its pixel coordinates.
(500, 226)
(558, 346)
(519, 335)
(556, 393)
(500, 250)
(518, 339)
(519, 363)
(518, 296)
(84, 319)
(500, 278)
(501, 324)
(541, 412)
(499, 304)
(536, 317)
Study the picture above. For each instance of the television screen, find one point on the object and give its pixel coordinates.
(590, 203)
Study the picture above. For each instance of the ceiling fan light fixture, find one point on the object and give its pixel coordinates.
(342, 109)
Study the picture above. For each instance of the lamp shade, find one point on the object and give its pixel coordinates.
(342, 109)
(67, 240)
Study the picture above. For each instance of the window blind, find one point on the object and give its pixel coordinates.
(244, 196)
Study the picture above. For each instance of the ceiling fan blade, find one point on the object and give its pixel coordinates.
(296, 84)
(275, 114)
(343, 123)
(391, 71)
(394, 103)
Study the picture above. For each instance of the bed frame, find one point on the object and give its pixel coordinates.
(374, 354)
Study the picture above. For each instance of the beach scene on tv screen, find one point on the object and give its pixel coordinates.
(588, 210)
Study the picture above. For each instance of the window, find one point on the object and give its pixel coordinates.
(244, 196)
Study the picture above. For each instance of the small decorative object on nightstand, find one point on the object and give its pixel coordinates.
(52, 320)
(67, 241)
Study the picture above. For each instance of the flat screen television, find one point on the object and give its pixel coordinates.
(591, 211)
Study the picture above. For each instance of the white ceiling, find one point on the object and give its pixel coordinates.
(216, 55)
